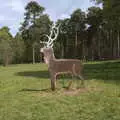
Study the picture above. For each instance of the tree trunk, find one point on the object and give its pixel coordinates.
(76, 42)
(33, 55)
(66, 48)
(6, 59)
(62, 51)
(40, 56)
(92, 54)
(118, 39)
(99, 45)
(112, 44)
(84, 53)
(93, 49)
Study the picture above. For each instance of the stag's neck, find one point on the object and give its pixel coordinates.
(52, 57)
(51, 60)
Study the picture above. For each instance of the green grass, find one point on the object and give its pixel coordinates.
(25, 94)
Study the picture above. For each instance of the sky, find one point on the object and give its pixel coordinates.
(12, 11)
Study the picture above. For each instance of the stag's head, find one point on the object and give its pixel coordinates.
(47, 50)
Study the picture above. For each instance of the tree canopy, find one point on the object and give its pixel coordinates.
(90, 35)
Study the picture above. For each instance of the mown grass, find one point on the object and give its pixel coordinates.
(25, 94)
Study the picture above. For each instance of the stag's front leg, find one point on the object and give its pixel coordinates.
(53, 81)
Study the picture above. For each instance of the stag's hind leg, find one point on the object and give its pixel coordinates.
(82, 81)
(70, 83)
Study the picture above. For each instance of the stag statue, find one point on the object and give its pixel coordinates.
(59, 66)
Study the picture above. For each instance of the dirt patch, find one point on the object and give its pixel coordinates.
(64, 91)
(76, 91)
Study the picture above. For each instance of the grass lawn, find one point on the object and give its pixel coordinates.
(25, 94)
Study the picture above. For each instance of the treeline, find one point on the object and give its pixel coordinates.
(91, 35)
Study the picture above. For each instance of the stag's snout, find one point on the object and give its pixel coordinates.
(41, 50)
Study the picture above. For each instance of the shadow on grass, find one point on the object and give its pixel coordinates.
(35, 90)
(37, 74)
(106, 71)
(109, 72)
(44, 90)
(41, 74)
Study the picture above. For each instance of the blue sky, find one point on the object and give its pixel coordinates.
(12, 11)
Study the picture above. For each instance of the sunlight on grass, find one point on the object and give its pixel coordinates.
(25, 94)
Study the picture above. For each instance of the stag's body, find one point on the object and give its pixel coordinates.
(61, 66)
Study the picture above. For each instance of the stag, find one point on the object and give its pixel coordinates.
(59, 66)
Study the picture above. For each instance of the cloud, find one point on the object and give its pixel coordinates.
(58, 8)
(6, 18)
(63, 8)
(14, 28)
(13, 5)
(12, 11)
(17, 6)
(11, 14)
(64, 16)
(2, 18)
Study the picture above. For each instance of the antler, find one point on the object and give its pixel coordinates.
(54, 31)
(51, 32)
